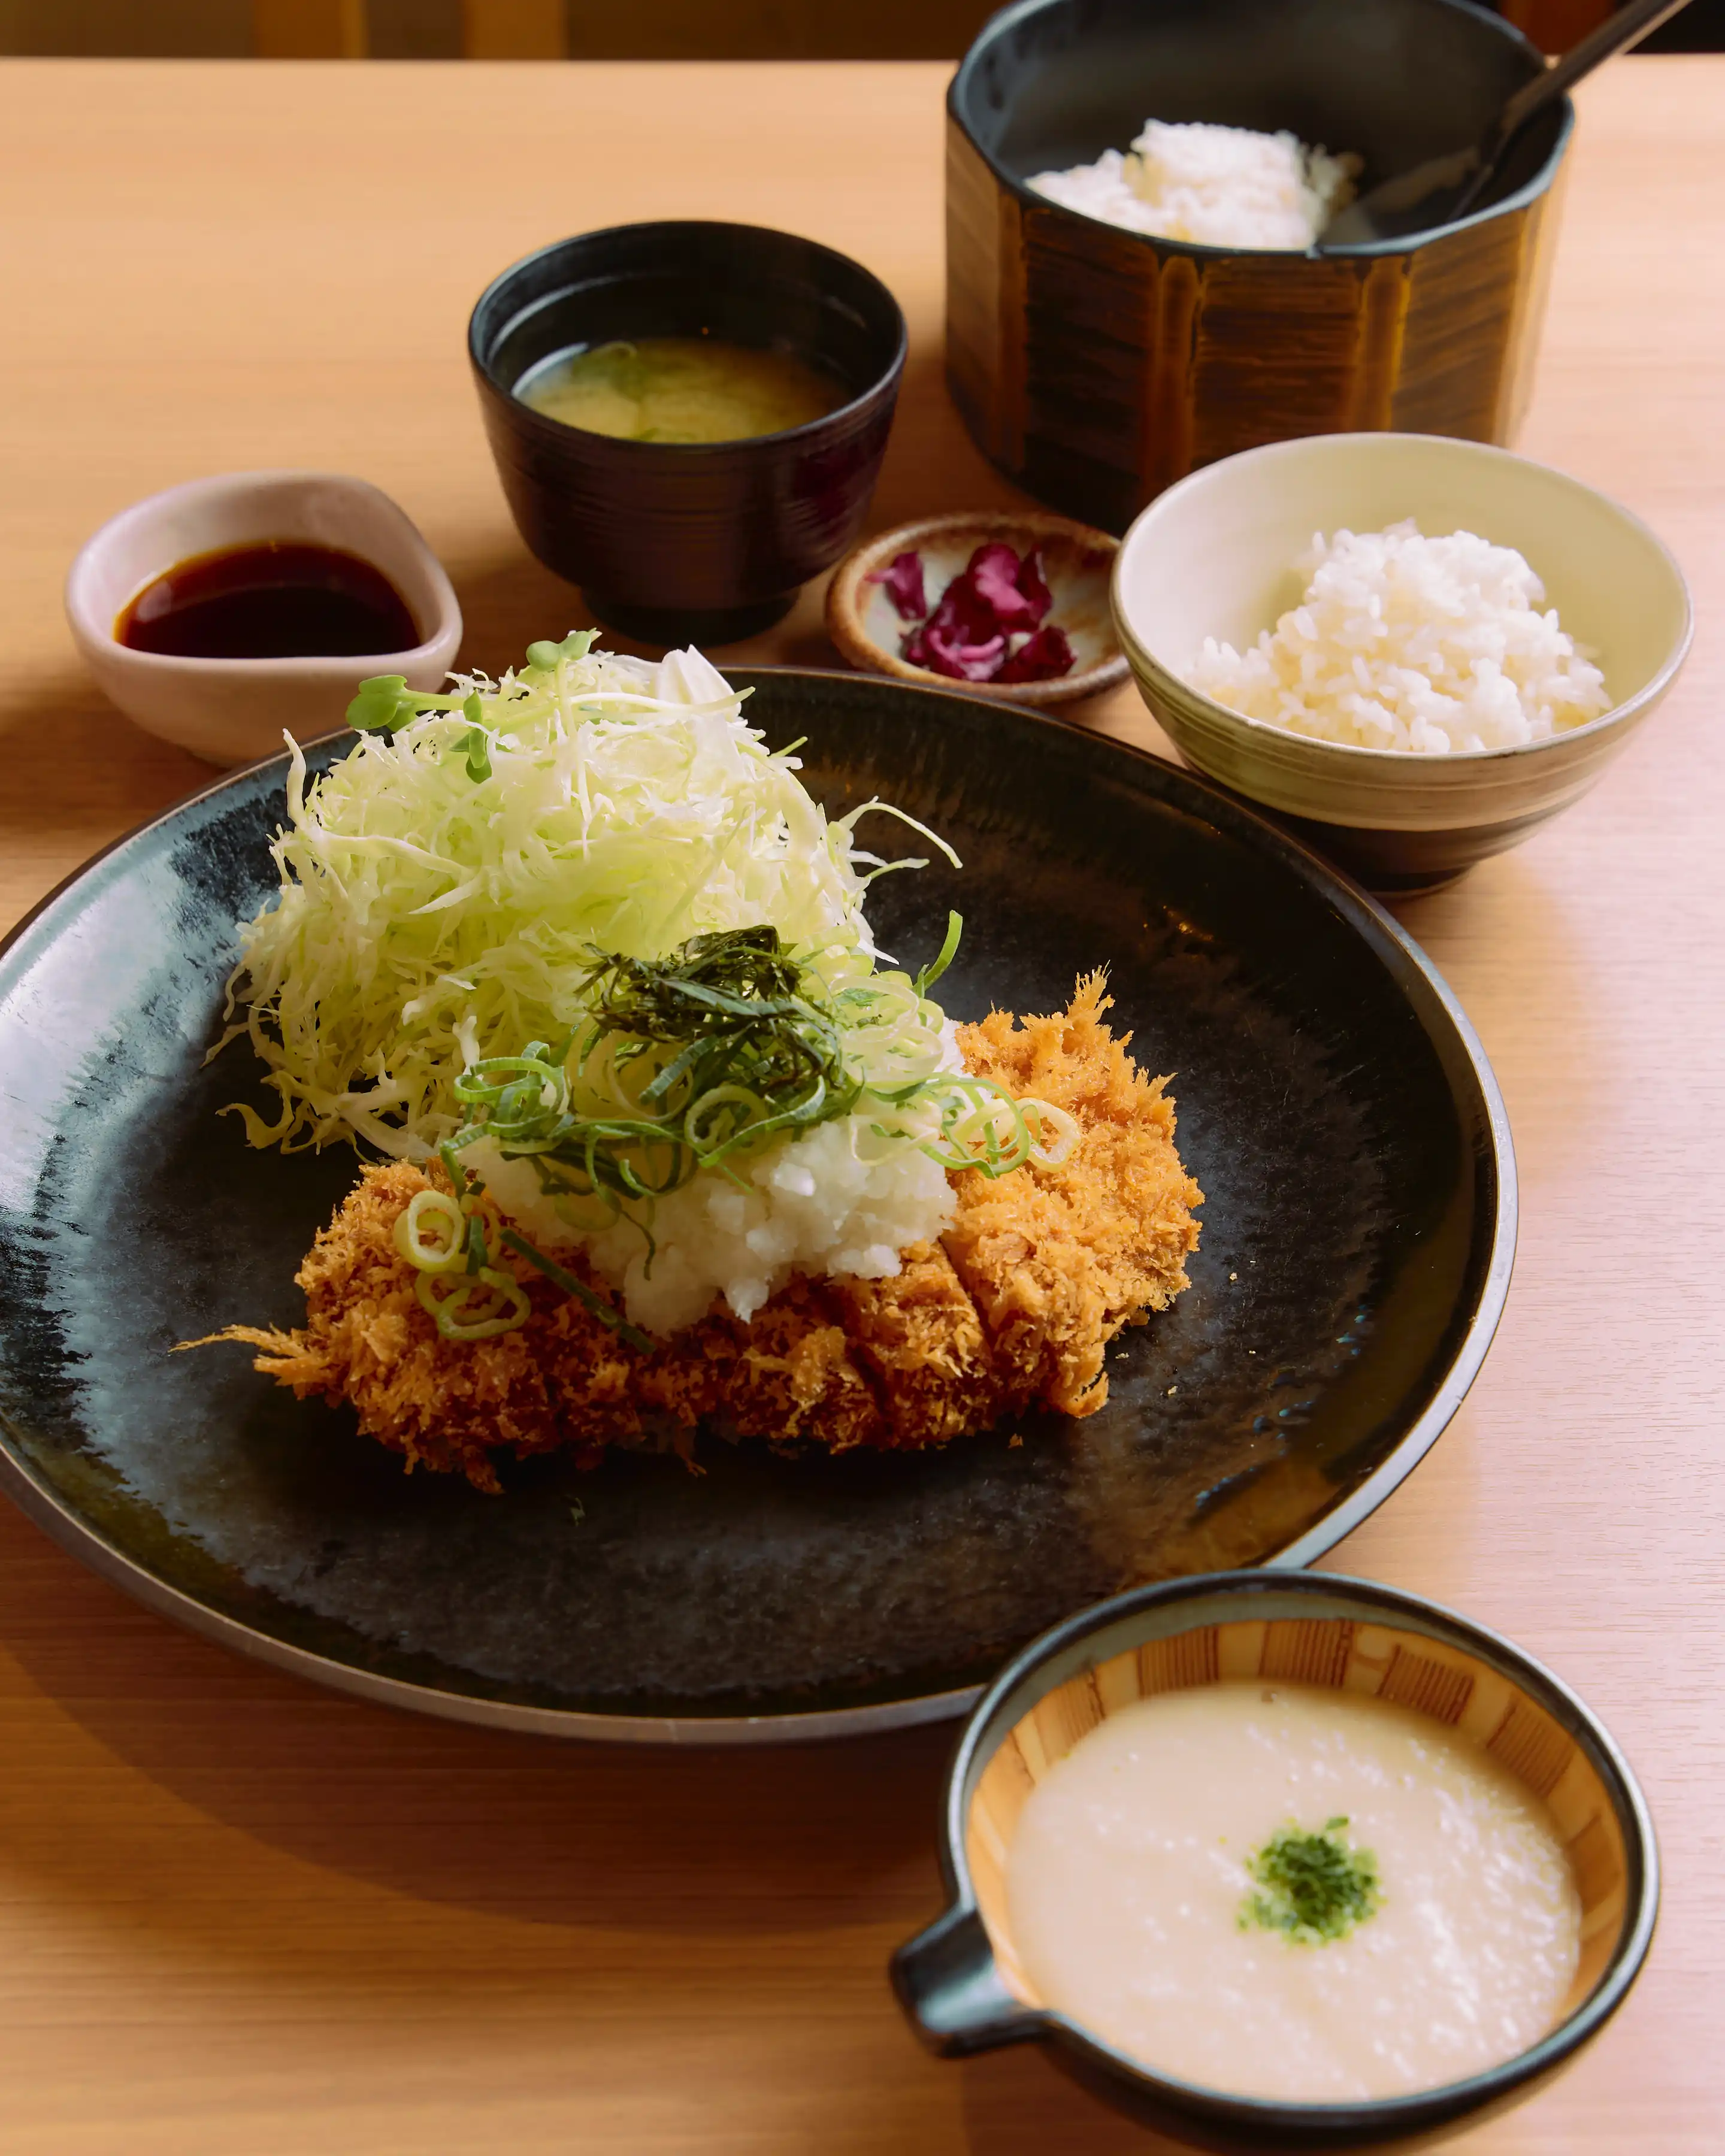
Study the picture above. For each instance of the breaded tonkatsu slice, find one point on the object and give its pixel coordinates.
(1057, 1263)
(1014, 1305)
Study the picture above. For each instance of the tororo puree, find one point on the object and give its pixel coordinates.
(1281, 1891)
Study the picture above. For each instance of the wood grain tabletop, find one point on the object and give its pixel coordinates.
(238, 1914)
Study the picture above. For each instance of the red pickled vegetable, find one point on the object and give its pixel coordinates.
(903, 580)
(1034, 585)
(1013, 590)
(997, 598)
(1044, 657)
(941, 648)
(961, 639)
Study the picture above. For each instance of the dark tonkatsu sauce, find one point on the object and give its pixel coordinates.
(276, 598)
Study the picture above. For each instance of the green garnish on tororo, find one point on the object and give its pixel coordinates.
(1313, 1888)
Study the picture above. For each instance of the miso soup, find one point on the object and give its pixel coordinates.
(679, 389)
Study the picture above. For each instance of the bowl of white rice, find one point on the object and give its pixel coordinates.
(1415, 649)
(1134, 188)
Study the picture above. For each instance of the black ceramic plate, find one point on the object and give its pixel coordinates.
(1357, 1232)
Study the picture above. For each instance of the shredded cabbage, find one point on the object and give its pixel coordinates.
(442, 890)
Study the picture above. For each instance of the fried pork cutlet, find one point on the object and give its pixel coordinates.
(1014, 1305)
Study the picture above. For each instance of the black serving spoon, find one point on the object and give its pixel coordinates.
(1444, 188)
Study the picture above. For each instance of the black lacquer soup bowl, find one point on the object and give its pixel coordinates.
(700, 543)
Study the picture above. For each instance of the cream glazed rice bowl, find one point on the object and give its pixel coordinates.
(1216, 558)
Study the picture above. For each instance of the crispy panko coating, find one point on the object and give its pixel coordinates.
(1057, 1264)
(1015, 1304)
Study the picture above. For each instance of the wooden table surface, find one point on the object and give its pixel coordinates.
(238, 1914)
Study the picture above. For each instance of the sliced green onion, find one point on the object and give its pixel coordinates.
(1056, 1133)
(436, 1211)
(606, 1210)
(559, 1277)
(712, 1105)
(930, 974)
(462, 1178)
(477, 1306)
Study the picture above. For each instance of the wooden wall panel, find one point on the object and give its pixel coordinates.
(1555, 25)
(153, 29)
(548, 29)
(413, 29)
(514, 30)
(310, 29)
(493, 29)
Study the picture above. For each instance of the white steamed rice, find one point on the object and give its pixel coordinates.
(1403, 642)
(1217, 187)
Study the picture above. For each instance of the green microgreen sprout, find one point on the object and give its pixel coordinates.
(545, 655)
(384, 701)
(380, 703)
(478, 743)
(1313, 1888)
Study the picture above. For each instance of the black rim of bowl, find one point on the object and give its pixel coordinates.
(44, 1506)
(494, 296)
(998, 1710)
(1008, 18)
